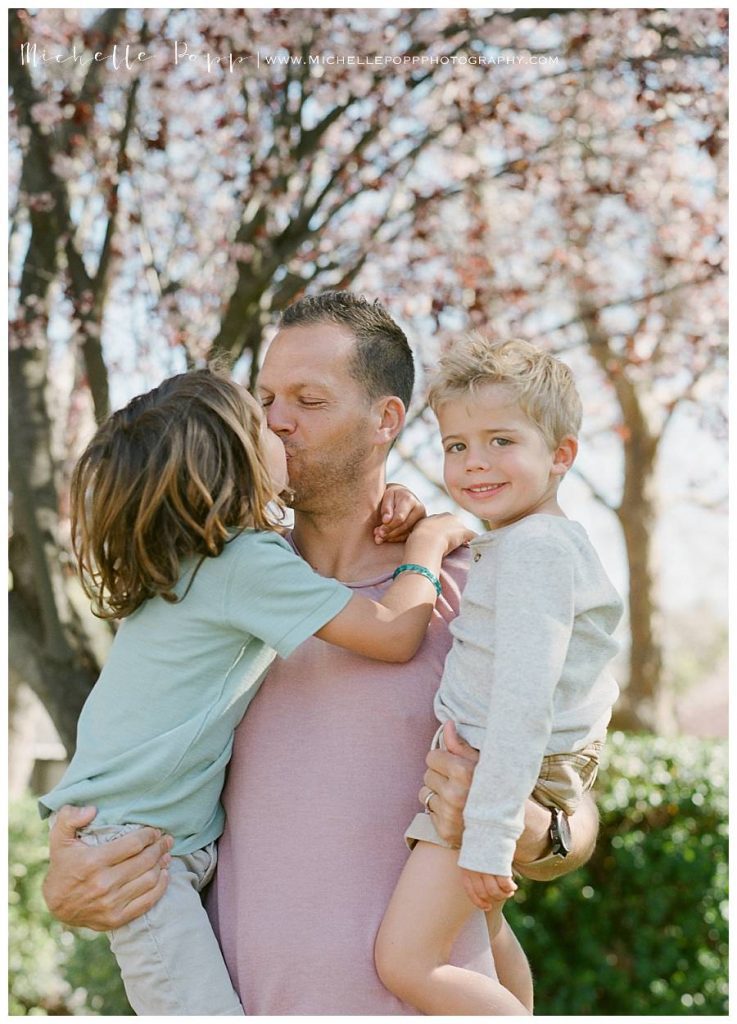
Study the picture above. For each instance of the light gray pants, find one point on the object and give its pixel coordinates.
(169, 957)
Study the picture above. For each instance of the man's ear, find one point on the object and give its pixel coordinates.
(564, 455)
(391, 415)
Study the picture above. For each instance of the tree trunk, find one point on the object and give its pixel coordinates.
(42, 618)
(50, 645)
(646, 704)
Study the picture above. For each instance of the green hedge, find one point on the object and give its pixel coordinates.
(640, 930)
(53, 970)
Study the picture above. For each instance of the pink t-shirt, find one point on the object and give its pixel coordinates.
(323, 782)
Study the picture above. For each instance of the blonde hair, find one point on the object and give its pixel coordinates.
(541, 384)
(171, 475)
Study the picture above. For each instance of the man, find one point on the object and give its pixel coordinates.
(327, 761)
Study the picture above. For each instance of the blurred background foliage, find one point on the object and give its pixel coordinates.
(641, 930)
(53, 970)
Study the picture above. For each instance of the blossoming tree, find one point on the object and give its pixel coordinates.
(553, 172)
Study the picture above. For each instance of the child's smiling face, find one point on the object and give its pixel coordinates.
(498, 465)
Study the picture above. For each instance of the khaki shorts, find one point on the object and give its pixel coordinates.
(563, 780)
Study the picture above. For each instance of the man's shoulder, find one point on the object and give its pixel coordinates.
(453, 576)
(457, 562)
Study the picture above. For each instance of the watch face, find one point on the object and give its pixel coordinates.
(564, 829)
(560, 832)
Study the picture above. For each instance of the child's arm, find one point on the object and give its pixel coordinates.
(392, 629)
(400, 511)
(449, 776)
(528, 637)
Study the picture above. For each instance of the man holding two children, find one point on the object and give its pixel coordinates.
(327, 762)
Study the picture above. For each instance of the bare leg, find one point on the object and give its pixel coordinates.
(512, 967)
(428, 909)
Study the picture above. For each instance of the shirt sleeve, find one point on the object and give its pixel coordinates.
(531, 621)
(274, 595)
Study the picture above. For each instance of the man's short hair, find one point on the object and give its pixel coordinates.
(542, 385)
(382, 362)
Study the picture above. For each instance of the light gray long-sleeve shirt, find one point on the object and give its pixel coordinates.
(526, 675)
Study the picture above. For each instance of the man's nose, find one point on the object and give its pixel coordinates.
(278, 417)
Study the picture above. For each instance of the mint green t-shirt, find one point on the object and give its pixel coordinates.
(156, 733)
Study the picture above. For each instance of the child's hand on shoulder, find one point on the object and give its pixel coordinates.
(446, 527)
(400, 511)
(485, 890)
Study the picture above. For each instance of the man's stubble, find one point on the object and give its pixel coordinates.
(329, 482)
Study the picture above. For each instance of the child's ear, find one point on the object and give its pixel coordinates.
(564, 455)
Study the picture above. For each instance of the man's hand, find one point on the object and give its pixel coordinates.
(449, 775)
(103, 887)
(484, 891)
(400, 511)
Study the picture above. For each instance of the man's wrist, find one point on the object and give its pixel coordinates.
(560, 833)
(534, 843)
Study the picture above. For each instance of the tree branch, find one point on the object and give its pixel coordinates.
(632, 300)
(595, 492)
(688, 394)
(410, 460)
(105, 27)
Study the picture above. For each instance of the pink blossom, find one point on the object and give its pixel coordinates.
(47, 114)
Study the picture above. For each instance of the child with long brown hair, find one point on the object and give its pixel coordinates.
(176, 504)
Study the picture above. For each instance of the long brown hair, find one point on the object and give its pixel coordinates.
(171, 475)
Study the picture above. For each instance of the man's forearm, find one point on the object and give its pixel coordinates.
(448, 780)
(534, 843)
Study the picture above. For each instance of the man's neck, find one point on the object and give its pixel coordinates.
(340, 542)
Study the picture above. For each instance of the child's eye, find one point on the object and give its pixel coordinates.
(457, 446)
(501, 442)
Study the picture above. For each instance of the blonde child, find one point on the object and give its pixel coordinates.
(175, 508)
(525, 681)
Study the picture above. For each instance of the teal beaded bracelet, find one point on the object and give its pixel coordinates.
(411, 567)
